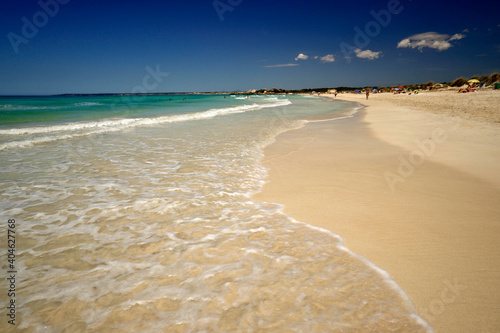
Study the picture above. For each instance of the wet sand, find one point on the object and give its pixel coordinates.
(416, 192)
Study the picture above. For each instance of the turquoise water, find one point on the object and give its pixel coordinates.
(25, 111)
(136, 214)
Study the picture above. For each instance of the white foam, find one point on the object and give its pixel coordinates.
(120, 124)
(31, 142)
(120, 199)
(87, 104)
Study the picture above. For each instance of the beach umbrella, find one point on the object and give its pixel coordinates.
(473, 81)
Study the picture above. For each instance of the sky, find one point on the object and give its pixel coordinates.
(90, 46)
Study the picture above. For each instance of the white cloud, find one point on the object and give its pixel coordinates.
(301, 56)
(367, 54)
(327, 58)
(280, 65)
(457, 37)
(431, 40)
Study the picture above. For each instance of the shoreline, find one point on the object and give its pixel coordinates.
(414, 192)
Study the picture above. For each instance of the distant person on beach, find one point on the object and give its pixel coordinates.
(466, 90)
(367, 93)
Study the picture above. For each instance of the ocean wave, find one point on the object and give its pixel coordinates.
(11, 107)
(97, 127)
(142, 121)
(158, 227)
(88, 104)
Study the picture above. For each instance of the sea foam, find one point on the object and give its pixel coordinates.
(155, 229)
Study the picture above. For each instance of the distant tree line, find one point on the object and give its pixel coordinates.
(483, 79)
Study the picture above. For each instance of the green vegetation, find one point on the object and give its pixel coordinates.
(458, 82)
(486, 80)
(495, 77)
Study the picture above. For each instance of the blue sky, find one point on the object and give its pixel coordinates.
(89, 46)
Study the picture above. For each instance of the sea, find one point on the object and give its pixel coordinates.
(136, 214)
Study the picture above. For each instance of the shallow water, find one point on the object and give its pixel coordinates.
(142, 219)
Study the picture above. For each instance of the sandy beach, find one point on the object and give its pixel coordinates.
(412, 184)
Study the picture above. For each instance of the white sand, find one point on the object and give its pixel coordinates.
(417, 193)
